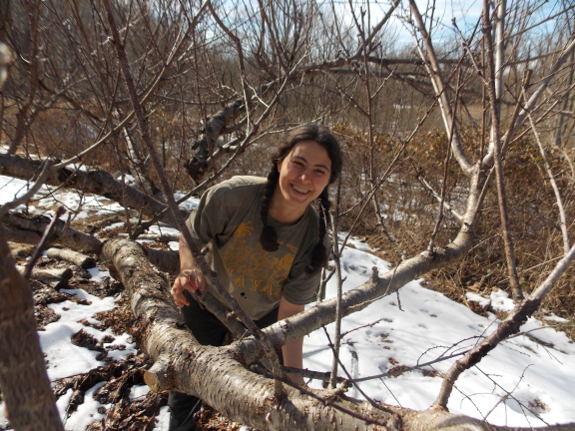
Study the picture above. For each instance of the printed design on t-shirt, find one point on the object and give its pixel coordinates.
(252, 268)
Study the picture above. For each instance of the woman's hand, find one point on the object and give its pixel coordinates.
(188, 279)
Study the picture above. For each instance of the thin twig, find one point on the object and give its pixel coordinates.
(558, 199)
(406, 369)
(60, 211)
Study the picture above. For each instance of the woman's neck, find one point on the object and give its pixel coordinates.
(283, 213)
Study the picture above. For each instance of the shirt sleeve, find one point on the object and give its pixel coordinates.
(209, 219)
(221, 209)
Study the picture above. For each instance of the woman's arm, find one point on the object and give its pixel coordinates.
(293, 351)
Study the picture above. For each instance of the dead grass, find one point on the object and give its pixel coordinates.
(410, 212)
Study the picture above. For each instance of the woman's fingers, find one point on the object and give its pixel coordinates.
(190, 280)
(195, 279)
(178, 291)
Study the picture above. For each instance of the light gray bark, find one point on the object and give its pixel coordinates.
(216, 375)
(58, 277)
(29, 230)
(72, 256)
(97, 182)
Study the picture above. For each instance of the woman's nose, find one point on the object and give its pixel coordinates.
(305, 175)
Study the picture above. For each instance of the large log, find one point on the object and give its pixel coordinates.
(29, 230)
(97, 182)
(217, 376)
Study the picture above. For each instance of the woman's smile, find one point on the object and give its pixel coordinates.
(303, 192)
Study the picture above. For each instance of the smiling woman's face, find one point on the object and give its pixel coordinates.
(304, 173)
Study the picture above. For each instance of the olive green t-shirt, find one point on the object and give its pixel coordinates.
(227, 221)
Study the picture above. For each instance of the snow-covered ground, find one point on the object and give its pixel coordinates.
(526, 381)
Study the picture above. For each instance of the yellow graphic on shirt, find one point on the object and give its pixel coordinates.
(250, 267)
(243, 230)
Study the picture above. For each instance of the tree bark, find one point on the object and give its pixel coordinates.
(97, 182)
(58, 277)
(71, 256)
(29, 230)
(25, 385)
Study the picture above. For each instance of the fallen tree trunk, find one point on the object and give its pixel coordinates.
(29, 230)
(216, 375)
(56, 277)
(97, 182)
(167, 261)
(78, 259)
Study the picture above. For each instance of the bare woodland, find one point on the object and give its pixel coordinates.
(177, 95)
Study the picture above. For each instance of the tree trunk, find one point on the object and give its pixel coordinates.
(98, 182)
(29, 230)
(25, 385)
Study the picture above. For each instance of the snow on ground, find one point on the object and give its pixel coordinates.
(526, 381)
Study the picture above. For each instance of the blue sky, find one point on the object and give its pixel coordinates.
(465, 13)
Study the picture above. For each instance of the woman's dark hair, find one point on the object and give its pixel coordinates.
(323, 136)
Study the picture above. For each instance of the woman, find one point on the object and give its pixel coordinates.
(266, 243)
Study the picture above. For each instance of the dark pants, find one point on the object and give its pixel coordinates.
(209, 331)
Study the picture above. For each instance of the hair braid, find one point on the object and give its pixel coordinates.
(320, 253)
(269, 236)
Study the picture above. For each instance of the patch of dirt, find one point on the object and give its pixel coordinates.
(112, 233)
(113, 370)
(107, 287)
(45, 315)
(125, 414)
(83, 339)
(93, 225)
(398, 370)
(430, 373)
(120, 377)
(209, 419)
(477, 308)
(119, 319)
(132, 415)
(119, 388)
(44, 295)
(539, 406)
(21, 251)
